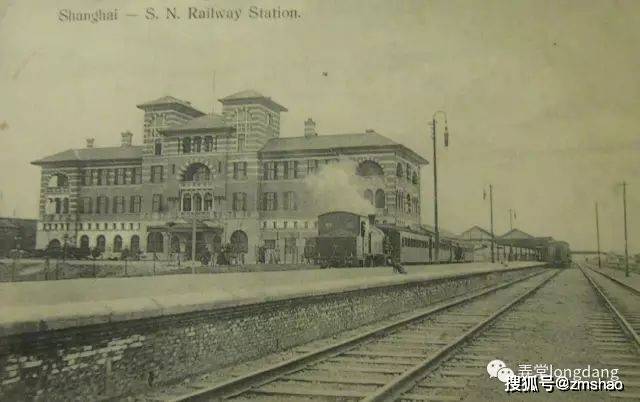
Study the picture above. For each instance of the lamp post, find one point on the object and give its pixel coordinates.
(435, 176)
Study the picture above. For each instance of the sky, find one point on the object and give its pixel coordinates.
(542, 97)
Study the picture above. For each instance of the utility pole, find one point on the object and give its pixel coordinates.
(435, 178)
(435, 191)
(624, 206)
(511, 213)
(493, 259)
(598, 236)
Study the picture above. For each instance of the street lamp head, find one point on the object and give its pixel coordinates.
(446, 134)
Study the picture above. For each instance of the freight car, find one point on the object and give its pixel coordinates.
(346, 239)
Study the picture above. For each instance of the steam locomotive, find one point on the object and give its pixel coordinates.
(346, 239)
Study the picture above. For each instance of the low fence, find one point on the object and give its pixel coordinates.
(20, 270)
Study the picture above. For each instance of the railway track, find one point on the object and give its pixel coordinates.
(616, 332)
(382, 363)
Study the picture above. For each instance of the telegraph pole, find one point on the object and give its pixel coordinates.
(435, 178)
(598, 236)
(624, 206)
(493, 259)
(511, 214)
(435, 190)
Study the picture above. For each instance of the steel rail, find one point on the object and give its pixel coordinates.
(236, 386)
(408, 379)
(626, 326)
(618, 281)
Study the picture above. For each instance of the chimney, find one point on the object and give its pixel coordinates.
(90, 142)
(126, 139)
(310, 128)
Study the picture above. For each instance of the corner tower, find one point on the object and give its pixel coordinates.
(255, 117)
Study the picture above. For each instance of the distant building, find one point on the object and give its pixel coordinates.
(231, 173)
(17, 233)
(479, 240)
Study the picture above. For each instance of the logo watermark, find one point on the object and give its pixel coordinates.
(532, 377)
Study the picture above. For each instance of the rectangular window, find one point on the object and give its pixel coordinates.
(157, 174)
(270, 171)
(119, 179)
(239, 201)
(295, 169)
(312, 166)
(118, 204)
(102, 205)
(286, 170)
(135, 203)
(270, 201)
(157, 203)
(100, 176)
(239, 170)
(289, 202)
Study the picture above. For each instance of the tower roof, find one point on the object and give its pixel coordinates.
(250, 95)
(171, 101)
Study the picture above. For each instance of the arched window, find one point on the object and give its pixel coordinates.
(369, 168)
(186, 145)
(197, 172)
(239, 242)
(368, 195)
(414, 178)
(154, 243)
(208, 202)
(135, 243)
(101, 243)
(380, 199)
(186, 202)
(54, 245)
(197, 144)
(409, 203)
(399, 172)
(84, 242)
(117, 244)
(197, 202)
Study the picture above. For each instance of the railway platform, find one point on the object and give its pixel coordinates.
(83, 301)
(126, 330)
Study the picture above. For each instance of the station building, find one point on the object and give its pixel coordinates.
(230, 178)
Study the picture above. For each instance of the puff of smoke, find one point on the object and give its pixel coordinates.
(337, 187)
